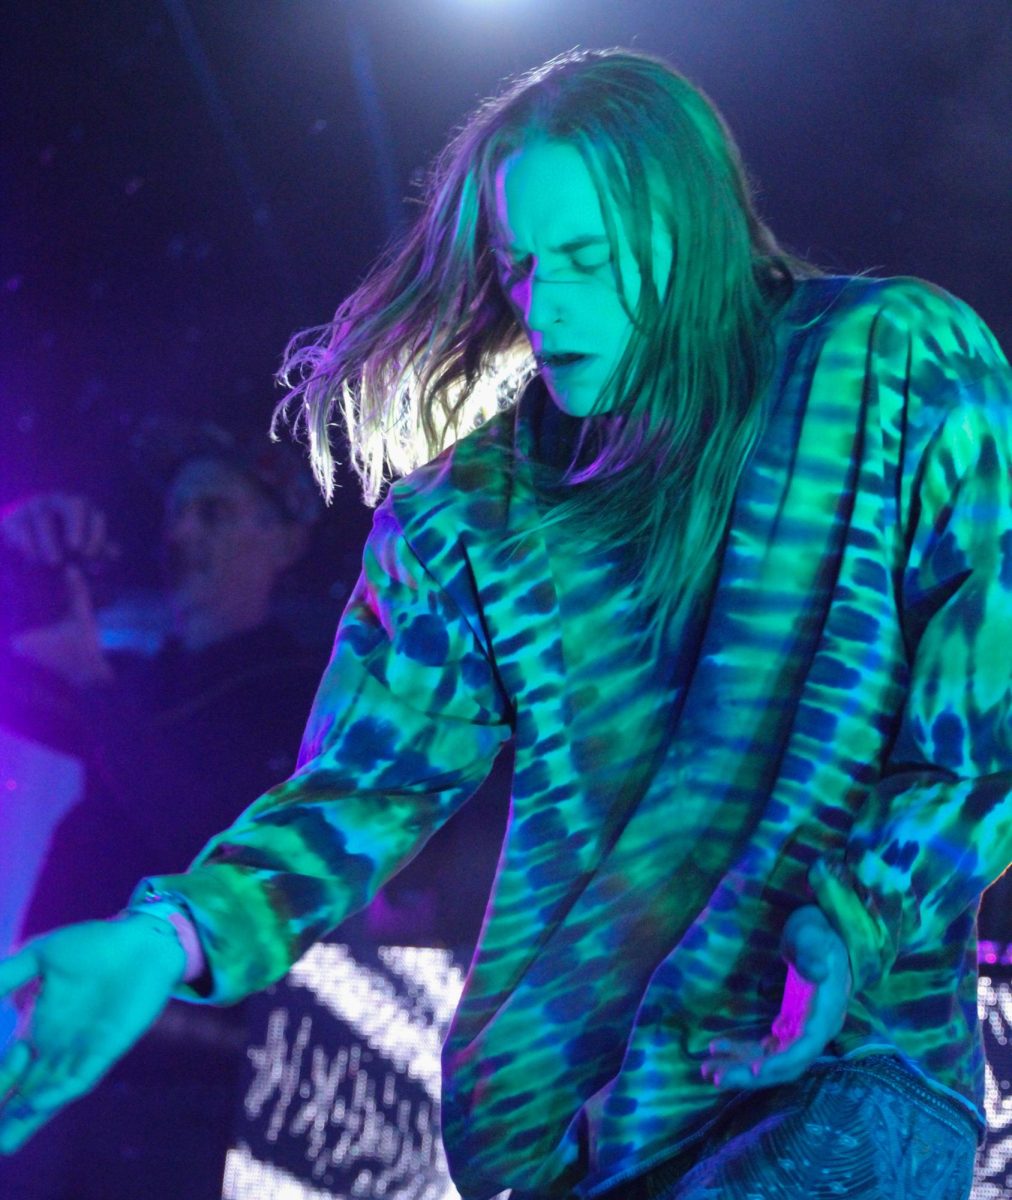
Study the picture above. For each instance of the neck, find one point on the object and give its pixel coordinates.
(199, 628)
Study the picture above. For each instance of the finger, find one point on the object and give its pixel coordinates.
(17, 970)
(81, 607)
(791, 1061)
(734, 1050)
(739, 1076)
(47, 1078)
(75, 513)
(95, 538)
(728, 1055)
(718, 1070)
(17, 533)
(773, 1061)
(716, 1073)
(48, 542)
(808, 941)
(813, 954)
(763, 1071)
(88, 1070)
(13, 1066)
(27, 1111)
(20, 1120)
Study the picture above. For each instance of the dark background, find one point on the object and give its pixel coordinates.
(186, 185)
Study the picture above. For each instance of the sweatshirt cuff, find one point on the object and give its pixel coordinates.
(853, 912)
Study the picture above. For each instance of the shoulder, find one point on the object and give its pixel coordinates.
(466, 488)
(431, 520)
(922, 356)
(905, 320)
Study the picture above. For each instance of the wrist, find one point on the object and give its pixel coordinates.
(170, 921)
(82, 666)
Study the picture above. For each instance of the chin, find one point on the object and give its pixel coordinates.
(574, 407)
(191, 592)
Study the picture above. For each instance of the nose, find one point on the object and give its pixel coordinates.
(541, 301)
(180, 522)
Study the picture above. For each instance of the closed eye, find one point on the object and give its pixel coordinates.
(511, 272)
(595, 263)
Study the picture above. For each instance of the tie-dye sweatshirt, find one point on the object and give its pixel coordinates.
(833, 726)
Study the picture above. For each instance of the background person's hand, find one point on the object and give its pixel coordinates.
(65, 533)
(53, 527)
(812, 1012)
(71, 647)
(86, 993)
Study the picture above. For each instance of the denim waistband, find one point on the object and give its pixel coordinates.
(893, 1073)
(887, 1069)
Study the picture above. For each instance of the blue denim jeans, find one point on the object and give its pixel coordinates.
(864, 1129)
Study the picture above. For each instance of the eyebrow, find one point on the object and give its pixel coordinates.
(577, 243)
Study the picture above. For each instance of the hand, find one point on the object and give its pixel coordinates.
(88, 992)
(52, 527)
(72, 647)
(812, 1011)
(62, 531)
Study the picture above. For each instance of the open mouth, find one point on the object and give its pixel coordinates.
(556, 361)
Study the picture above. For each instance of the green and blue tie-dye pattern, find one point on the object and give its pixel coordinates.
(835, 721)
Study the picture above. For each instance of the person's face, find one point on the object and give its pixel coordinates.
(223, 541)
(555, 265)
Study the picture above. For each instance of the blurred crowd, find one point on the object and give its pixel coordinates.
(172, 745)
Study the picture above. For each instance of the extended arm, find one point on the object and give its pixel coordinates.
(406, 723)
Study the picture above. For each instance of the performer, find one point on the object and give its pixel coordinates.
(728, 559)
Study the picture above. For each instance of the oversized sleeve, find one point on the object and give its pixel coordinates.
(936, 829)
(406, 723)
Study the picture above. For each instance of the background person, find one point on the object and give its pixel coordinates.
(164, 739)
(228, 679)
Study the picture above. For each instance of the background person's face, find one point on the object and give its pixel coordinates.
(223, 544)
(555, 265)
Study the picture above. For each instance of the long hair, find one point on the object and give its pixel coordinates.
(428, 346)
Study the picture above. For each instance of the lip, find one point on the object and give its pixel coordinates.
(566, 368)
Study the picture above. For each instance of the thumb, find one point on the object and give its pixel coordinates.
(811, 964)
(18, 970)
(808, 943)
